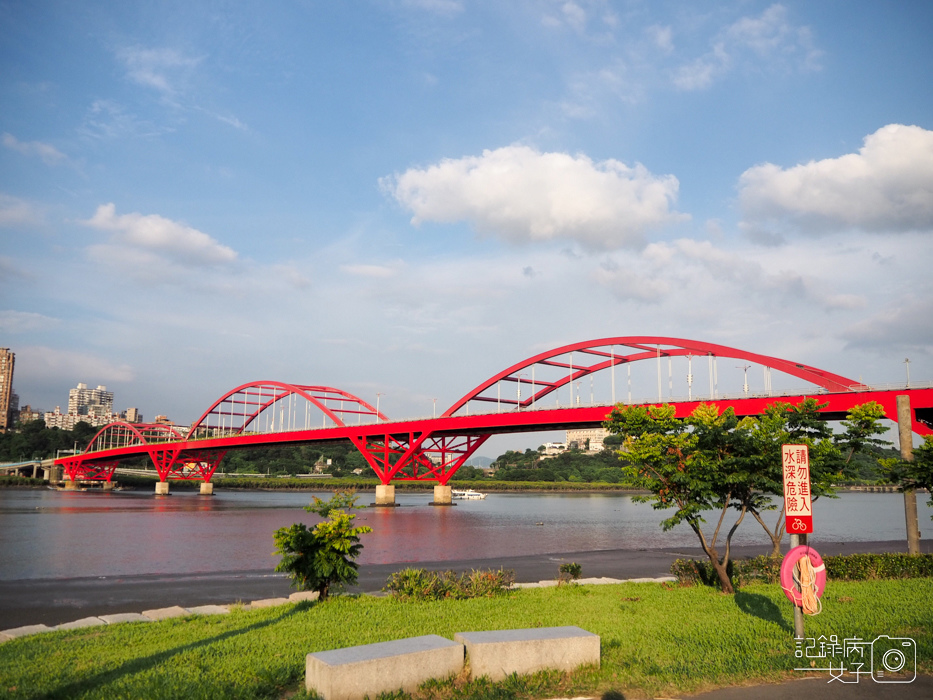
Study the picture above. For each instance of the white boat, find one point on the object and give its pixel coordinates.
(468, 495)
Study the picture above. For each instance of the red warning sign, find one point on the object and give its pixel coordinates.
(795, 460)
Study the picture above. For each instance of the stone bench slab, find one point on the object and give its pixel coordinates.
(501, 653)
(355, 672)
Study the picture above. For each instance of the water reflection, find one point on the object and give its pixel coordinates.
(60, 534)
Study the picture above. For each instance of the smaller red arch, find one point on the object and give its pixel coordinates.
(248, 401)
(145, 433)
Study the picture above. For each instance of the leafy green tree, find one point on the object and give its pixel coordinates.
(783, 423)
(322, 558)
(916, 474)
(862, 426)
(691, 466)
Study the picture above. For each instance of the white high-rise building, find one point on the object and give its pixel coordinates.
(90, 402)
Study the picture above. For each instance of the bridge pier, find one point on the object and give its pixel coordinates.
(108, 486)
(161, 488)
(207, 488)
(70, 484)
(442, 496)
(385, 496)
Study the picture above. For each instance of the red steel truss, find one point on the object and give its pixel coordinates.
(269, 413)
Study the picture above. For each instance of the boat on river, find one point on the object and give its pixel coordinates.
(468, 495)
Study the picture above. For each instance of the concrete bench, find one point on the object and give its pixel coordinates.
(353, 672)
(500, 653)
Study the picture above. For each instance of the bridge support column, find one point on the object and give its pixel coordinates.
(108, 486)
(161, 488)
(70, 484)
(442, 496)
(207, 488)
(385, 495)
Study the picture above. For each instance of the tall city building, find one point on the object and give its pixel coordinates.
(95, 403)
(7, 359)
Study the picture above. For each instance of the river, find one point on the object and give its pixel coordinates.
(50, 534)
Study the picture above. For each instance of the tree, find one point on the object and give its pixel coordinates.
(782, 424)
(916, 474)
(693, 466)
(322, 558)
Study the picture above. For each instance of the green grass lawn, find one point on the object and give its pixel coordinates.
(656, 640)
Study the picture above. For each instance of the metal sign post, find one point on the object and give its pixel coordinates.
(798, 512)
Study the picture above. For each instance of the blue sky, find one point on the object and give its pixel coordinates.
(404, 197)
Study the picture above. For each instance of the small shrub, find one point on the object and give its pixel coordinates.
(569, 571)
(421, 584)
(322, 558)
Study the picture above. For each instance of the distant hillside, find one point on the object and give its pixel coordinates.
(479, 461)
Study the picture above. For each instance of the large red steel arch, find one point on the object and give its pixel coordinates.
(601, 354)
(263, 413)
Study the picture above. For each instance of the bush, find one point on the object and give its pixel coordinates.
(322, 558)
(890, 565)
(569, 571)
(421, 584)
(849, 567)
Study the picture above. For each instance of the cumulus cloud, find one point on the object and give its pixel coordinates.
(154, 234)
(523, 195)
(886, 186)
(48, 153)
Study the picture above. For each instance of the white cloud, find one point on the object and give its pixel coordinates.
(44, 364)
(700, 73)
(662, 37)
(154, 234)
(523, 195)
(106, 119)
(16, 212)
(372, 271)
(48, 153)
(11, 271)
(25, 322)
(156, 68)
(770, 38)
(901, 326)
(441, 7)
(574, 15)
(886, 186)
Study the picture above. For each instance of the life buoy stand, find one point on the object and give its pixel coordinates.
(810, 576)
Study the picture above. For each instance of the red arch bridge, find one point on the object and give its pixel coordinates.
(520, 398)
